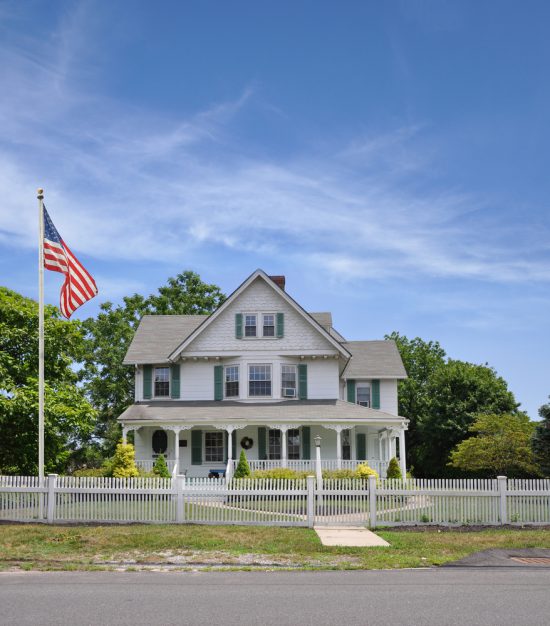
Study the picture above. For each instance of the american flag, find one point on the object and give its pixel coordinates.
(79, 286)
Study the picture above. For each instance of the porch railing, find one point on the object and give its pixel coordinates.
(309, 466)
(147, 465)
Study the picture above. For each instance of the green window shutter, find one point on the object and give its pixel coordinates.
(147, 382)
(196, 447)
(280, 325)
(218, 382)
(361, 446)
(375, 387)
(351, 390)
(262, 454)
(234, 446)
(239, 325)
(175, 382)
(302, 381)
(306, 443)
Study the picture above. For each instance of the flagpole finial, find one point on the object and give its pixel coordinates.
(40, 193)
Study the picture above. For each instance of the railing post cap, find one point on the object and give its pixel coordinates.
(53, 475)
(501, 477)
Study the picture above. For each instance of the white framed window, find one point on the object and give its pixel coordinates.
(268, 325)
(231, 384)
(214, 446)
(288, 381)
(162, 382)
(362, 394)
(293, 443)
(250, 325)
(259, 380)
(346, 444)
(274, 440)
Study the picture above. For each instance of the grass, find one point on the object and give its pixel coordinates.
(36, 546)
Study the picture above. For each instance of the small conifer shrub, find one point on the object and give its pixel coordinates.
(243, 468)
(160, 468)
(394, 471)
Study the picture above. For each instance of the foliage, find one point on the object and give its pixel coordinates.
(124, 465)
(394, 471)
(110, 384)
(541, 440)
(280, 473)
(441, 398)
(243, 468)
(68, 416)
(338, 473)
(94, 472)
(501, 447)
(160, 468)
(363, 470)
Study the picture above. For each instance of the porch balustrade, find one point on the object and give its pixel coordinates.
(305, 466)
(147, 465)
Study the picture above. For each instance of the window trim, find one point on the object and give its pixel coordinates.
(363, 384)
(237, 365)
(270, 365)
(224, 451)
(274, 316)
(154, 390)
(255, 335)
(296, 383)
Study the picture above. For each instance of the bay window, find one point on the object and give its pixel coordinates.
(259, 380)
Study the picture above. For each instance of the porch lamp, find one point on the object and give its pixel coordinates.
(317, 441)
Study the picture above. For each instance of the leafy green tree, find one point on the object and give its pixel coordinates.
(394, 471)
(541, 440)
(124, 462)
(110, 384)
(68, 416)
(160, 468)
(501, 446)
(243, 468)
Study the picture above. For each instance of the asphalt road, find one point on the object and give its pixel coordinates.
(465, 597)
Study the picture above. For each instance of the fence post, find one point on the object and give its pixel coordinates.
(372, 501)
(310, 501)
(180, 504)
(52, 481)
(502, 488)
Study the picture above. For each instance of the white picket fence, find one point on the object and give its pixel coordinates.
(385, 502)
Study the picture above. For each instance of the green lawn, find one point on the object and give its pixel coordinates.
(35, 546)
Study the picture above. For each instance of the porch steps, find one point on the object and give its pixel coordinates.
(349, 536)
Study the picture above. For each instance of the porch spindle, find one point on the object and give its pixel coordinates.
(338, 448)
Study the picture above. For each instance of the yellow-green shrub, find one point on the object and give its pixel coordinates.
(363, 470)
(124, 465)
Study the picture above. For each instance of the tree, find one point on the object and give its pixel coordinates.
(68, 416)
(243, 468)
(500, 447)
(160, 468)
(124, 464)
(110, 384)
(541, 440)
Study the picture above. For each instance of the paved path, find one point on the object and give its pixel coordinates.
(350, 536)
(444, 597)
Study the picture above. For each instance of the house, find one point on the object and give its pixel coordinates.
(263, 375)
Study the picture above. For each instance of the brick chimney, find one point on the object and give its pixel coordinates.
(279, 281)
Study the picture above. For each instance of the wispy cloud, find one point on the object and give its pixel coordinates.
(123, 182)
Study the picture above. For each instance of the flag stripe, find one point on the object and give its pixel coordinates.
(78, 286)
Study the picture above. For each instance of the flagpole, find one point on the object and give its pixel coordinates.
(41, 335)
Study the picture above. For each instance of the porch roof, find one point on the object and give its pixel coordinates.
(295, 411)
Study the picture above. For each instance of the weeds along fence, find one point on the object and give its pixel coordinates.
(386, 502)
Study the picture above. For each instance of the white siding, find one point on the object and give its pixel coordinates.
(259, 298)
(197, 380)
(388, 396)
(322, 379)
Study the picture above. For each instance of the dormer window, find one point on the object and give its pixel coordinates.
(269, 325)
(250, 326)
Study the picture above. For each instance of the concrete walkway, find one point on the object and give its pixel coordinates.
(351, 536)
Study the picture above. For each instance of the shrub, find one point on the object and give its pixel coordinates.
(90, 471)
(123, 464)
(280, 473)
(394, 471)
(363, 470)
(243, 469)
(339, 473)
(160, 468)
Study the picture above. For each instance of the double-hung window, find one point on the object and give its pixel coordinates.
(268, 325)
(346, 445)
(288, 381)
(274, 444)
(293, 450)
(259, 380)
(250, 325)
(232, 381)
(363, 394)
(162, 382)
(213, 447)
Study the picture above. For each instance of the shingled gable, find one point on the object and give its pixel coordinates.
(262, 275)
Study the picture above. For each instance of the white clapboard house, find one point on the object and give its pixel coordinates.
(263, 375)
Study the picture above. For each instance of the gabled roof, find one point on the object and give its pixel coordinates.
(158, 335)
(297, 411)
(283, 294)
(374, 359)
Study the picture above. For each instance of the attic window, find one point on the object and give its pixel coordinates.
(269, 325)
(250, 326)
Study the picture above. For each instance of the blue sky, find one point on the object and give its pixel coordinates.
(391, 159)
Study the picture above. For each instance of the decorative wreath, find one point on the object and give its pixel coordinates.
(246, 443)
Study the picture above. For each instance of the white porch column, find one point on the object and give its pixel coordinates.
(380, 446)
(339, 448)
(283, 428)
(229, 430)
(402, 461)
(177, 449)
(125, 431)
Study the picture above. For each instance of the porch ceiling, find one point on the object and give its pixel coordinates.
(300, 411)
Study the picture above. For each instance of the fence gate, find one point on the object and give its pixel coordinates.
(342, 502)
